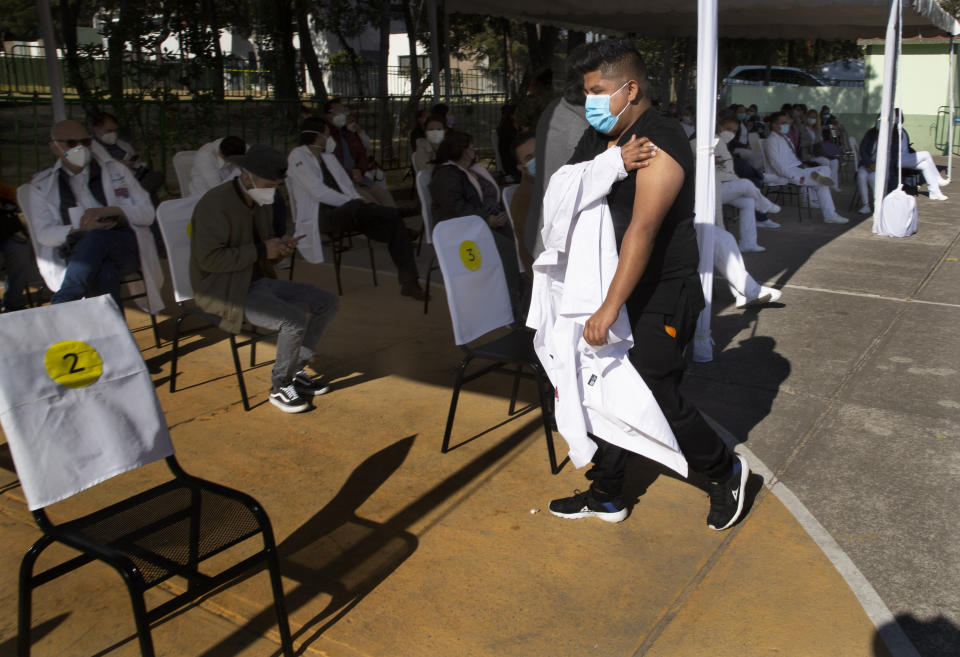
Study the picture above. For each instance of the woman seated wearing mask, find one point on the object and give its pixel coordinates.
(460, 187)
(426, 152)
(811, 146)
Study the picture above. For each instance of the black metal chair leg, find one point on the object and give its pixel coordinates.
(515, 391)
(279, 605)
(426, 300)
(26, 594)
(373, 264)
(457, 382)
(156, 330)
(140, 618)
(176, 351)
(293, 260)
(236, 364)
(337, 257)
(253, 354)
(546, 413)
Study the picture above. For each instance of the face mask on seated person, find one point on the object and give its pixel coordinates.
(109, 138)
(741, 116)
(811, 122)
(339, 120)
(435, 136)
(784, 128)
(260, 195)
(598, 110)
(726, 136)
(78, 156)
(532, 167)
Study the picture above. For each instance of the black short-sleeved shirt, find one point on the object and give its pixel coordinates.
(672, 268)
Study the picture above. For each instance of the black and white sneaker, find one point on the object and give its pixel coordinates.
(726, 497)
(288, 401)
(307, 386)
(585, 505)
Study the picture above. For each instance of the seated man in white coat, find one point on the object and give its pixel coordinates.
(318, 178)
(212, 165)
(92, 221)
(783, 160)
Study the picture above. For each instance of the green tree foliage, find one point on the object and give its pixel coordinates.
(952, 7)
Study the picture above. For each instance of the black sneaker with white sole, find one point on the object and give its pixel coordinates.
(586, 505)
(726, 497)
(307, 386)
(288, 400)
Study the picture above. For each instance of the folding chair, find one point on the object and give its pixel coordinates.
(479, 303)
(783, 189)
(42, 253)
(426, 212)
(311, 246)
(507, 197)
(174, 217)
(183, 166)
(94, 397)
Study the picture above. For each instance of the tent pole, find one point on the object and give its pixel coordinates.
(447, 81)
(890, 61)
(434, 49)
(706, 199)
(53, 65)
(952, 90)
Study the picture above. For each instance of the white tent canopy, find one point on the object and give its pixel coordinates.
(801, 19)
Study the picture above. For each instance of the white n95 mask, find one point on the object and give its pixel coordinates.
(109, 138)
(78, 156)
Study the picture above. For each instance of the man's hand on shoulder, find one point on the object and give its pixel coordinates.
(637, 152)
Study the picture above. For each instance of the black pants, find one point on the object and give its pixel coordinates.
(376, 222)
(658, 357)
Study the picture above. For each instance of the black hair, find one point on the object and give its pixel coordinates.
(452, 147)
(786, 107)
(612, 56)
(522, 139)
(777, 115)
(330, 103)
(311, 128)
(102, 117)
(440, 109)
(727, 117)
(573, 85)
(232, 145)
(434, 119)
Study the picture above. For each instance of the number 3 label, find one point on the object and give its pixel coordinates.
(73, 364)
(470, 255)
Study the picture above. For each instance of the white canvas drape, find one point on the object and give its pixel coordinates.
(891, 61)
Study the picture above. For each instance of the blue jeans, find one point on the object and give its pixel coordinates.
(300, 312)
(97, 264)
(19, 270)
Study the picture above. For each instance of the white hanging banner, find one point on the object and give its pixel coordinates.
(706, 169)
(77, 402)
(891, 59)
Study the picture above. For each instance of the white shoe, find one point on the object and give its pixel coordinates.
(826, 181)
(939, 196)
(756, 248)
(773, 209)
(865, 209)
(835, 219)
(769, 223)
(766, 295)
(944, 182)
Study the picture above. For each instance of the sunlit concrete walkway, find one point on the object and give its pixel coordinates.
(845, 396)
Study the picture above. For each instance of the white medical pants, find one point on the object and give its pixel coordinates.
(822, 191)
(754, 158)
(728, 262)
(923, 162)
(744, 195)
(865, 183)
(834, 166)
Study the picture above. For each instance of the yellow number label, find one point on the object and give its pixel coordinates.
(73, 364)
(190, 229)
(470, 255)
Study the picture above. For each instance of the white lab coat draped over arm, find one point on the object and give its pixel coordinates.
(597, 390)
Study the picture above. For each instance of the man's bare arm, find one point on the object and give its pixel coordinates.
(656, 190)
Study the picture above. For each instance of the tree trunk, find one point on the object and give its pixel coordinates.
(541, 43)
(354, 61)
(68, 24)
(689, 57)
(217, 83)
(666, 75)
(309, 54)
(575, 38)
(383, 120)
(285, 73)
(116, 45)
(417, 86)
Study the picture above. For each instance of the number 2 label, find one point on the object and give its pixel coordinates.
(73, 364)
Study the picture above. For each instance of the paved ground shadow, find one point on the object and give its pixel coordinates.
(935, 637)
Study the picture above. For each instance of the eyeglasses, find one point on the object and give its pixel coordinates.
(73, 143)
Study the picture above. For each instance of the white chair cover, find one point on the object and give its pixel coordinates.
(507, 197)
(76, 400)
(183, 166)
(473, 277)
(174, 218)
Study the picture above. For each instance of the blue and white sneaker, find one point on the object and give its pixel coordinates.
(726, 497)
(585, 505)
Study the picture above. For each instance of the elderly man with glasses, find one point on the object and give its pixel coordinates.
(91, 218)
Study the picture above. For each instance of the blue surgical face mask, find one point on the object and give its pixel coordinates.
(784, 128)
(741, 116)
(532, 167)
(598, 110)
